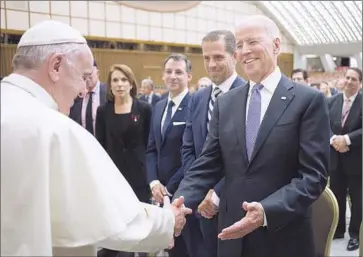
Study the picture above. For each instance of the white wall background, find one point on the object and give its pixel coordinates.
(112, 20)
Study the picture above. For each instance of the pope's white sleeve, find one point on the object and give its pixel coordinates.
(150, 231)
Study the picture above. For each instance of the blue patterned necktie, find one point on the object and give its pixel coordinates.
(168, 117)
(253, 119)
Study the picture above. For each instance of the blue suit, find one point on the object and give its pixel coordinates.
(193, 141)
(163, 160)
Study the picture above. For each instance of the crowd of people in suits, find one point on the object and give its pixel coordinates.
(245, 173)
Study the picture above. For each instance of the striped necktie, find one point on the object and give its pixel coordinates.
(216, 92)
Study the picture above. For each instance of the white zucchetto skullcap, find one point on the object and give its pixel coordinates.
(51, 32)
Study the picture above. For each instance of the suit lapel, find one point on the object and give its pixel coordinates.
(239, 103)
(280, 100)
(354, 110)
(237, 82)
(77, 110)
(204, 106)
(103, 93)
(159, 111)
(337, 112)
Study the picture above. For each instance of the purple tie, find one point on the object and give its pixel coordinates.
(253, 119)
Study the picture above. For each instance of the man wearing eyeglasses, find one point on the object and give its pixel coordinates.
(84, 109)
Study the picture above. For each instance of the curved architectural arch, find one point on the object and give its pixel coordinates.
(318, 22)
(161, 6)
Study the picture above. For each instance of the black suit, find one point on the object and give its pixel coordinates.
(346, 168)
(286, 173)
(125, 140)
(76, 110)
(125, 137)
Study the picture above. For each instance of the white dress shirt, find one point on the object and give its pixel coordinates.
(150, 97)
(226, 85)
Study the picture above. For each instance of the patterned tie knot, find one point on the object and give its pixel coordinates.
(257, 87)
(216, 92)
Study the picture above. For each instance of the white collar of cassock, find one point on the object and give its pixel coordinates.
(32, 88)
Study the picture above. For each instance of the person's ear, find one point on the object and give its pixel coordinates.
(54, 66)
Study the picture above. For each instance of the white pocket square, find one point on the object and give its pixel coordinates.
(178, 123)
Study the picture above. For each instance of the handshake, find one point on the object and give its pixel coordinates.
(179, 211)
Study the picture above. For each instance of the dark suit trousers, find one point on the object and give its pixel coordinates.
(341, 184)
(209, 229)
(193, 238)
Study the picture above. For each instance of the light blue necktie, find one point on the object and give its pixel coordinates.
(253, 119)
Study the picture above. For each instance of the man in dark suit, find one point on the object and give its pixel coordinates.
(84, 109)
(270, 140)
(147, 86)
(346, 154)
(219, 52)
(163, 160)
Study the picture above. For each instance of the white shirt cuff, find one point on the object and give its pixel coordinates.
(154, 183)
(215, 199)
(170, 195)
(332, 138)
(347, 140)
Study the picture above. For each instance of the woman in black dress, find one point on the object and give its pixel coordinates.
(122, 128)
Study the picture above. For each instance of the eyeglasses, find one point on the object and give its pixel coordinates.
(84, 77)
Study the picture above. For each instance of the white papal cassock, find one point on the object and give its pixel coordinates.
(59, 188)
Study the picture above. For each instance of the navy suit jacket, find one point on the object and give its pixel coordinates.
(76, 110)
(286, 174)
(196, 131)
(163, 159)
(154, 100)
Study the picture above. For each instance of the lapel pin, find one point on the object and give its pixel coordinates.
(179, 109)
(283, 97)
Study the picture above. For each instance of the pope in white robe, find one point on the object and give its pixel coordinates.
(61, 194)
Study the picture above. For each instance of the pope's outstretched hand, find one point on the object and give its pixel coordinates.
(180, 211)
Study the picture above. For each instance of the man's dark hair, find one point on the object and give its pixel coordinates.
(304, 72)
(180, 57)
(357, 70)
(226, 35)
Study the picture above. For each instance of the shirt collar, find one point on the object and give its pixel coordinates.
(352, 98)
(226, 85)
(270, 82)
(96, 89)
(179, 98)
(32, 88)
